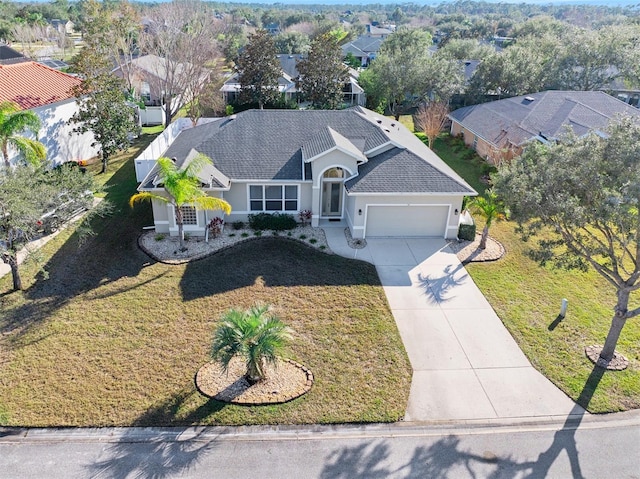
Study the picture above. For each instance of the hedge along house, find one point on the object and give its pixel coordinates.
(353, 167)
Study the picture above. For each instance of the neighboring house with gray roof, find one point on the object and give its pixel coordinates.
(500, 129)
(365, 48)
(354, 166)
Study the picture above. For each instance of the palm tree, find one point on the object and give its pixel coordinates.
(183, 187)
(491, 208)
(252, 334)
(14, 121)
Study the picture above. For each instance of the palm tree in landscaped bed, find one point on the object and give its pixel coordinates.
(253, 334)
(491, 208)
(183, 188)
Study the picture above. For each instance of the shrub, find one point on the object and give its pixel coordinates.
(313, 241)
(215, 226)
(303, 237)
(467, 232)
(231, 235)
(305, 216)
(322, 247)
(160, 236)
(237, 225)
(275, 221)
(258, 233)
(244, 235)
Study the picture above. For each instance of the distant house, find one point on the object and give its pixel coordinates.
(272, 28)
(365, 48)
(380, 31)
(148, 77)
(62, 26)
(353, 93)
(500, 129)
(47, 93)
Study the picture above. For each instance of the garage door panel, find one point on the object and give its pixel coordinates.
(407, 221)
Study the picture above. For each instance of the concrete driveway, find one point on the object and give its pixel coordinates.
(465, 363)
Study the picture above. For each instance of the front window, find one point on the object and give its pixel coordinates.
(189, 216)
(273, 197)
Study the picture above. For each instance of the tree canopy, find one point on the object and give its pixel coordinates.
(31, 195)
(322, 73)
(258, 70)
(581, 199)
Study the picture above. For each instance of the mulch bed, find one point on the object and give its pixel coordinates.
(284, 382)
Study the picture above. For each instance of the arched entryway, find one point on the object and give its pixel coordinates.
(332, 191)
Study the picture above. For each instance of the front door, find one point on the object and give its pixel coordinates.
(332, 198)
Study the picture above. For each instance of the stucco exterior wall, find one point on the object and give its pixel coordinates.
(57, 136)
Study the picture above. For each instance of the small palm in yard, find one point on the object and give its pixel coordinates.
(255, 335)
(183, 187)
(491, 208)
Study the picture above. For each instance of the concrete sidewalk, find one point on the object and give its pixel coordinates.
(465, 363)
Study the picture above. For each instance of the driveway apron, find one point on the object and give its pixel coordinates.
(465, 363)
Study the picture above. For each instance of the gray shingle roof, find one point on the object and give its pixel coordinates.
(519, 119)
(268, 145)
(402, 171)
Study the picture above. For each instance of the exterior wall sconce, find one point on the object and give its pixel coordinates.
(360, 212)
(455, 212)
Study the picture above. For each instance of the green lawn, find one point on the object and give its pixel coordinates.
(113, 338)
(527, 298)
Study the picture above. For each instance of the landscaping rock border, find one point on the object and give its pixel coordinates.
(286, 381)
(468, 252)
(354, 243)
(618, 363)
(166, 250)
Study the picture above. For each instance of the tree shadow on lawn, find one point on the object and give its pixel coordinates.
(107, 256)
(275, 262)
(445, 458)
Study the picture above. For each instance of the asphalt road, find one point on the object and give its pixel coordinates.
(597, 449)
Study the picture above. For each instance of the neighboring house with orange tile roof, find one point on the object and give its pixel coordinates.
(47, 93)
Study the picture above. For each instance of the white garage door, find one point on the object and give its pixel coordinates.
(407, 221)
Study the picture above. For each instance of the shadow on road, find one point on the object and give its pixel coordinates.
(446, 458)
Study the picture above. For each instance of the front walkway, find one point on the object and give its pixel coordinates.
(465, 363)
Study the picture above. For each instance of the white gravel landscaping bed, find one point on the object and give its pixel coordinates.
(166, 249)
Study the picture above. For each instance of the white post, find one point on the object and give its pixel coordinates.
(563, 307)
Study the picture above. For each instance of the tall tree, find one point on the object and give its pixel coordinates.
(322, 73)
(255, 335)
(102, 104)
(581, 198)
(405, 73)
(27, 193)
(182, 188)
(183, 34)
(258, 70)
(14, 122)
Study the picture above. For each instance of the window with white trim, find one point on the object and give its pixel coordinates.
(273, 197)
(189, 215)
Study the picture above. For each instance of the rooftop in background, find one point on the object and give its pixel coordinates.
(30, 84)
(542, 116)
(9, 56)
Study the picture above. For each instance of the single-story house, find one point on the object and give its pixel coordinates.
(352, 166)
(353, 92)
(9, 56)
(47, 93)
(500, 129)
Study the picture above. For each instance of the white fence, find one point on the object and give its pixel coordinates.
(151, 115)
(147, 159)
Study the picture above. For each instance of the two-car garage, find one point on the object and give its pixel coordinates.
(406, 220)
